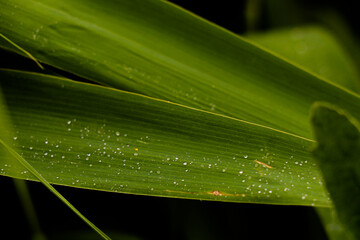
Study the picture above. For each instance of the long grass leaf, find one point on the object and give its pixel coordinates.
(157, 49)
(7, 160)
(93, 137)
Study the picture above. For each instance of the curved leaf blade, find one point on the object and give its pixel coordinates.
(159, 50)
(93, 137)
(315, 49)
(11, 159)
(337, 152)
(38, 177)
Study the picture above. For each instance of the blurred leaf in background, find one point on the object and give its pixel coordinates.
(337, 152)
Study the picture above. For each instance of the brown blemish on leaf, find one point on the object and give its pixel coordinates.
(264, 164)
(214, 193)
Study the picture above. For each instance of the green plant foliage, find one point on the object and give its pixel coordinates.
(10, 159)
(123, 142)
(332, 225)
(337, 152)
(315, 49)
(177, 107)
(164, 52)
(27, 203)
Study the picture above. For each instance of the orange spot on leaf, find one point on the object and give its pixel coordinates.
(216, 193)
(264, 164)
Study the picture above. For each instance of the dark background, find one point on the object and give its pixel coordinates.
(230, 14)
(163, 218)
(155, 217)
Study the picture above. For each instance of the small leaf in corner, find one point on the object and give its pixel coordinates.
(338, 155)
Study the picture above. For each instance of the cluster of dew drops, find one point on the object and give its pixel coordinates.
(106, 152)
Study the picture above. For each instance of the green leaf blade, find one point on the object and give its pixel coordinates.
(338, 152)
(315, 49)
(12, 160)
(123, 142)
(163, 52)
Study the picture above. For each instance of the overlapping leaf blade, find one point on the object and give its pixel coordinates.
(337, 153)
(159, 50)
(93, 137)
(315, 49)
